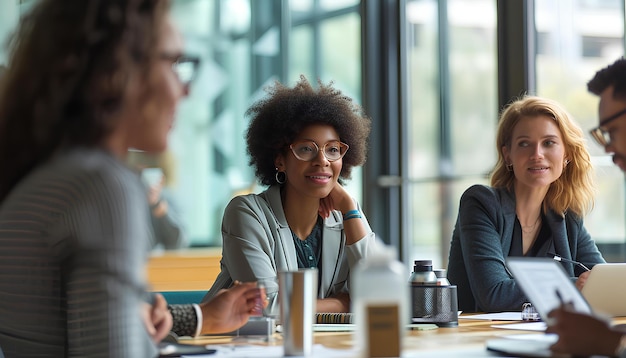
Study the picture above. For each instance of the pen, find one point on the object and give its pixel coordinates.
(562, 303)
(558, 295)
(559, 258)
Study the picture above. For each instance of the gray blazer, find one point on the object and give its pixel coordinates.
(74, 236)
(482, 240)
(257, 243)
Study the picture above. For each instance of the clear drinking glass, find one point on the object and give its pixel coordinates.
(269, 293)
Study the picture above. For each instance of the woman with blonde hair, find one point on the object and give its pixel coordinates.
(541, 188)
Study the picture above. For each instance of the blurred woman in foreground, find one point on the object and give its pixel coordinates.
(86, 81)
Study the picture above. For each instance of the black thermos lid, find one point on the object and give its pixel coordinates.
(422, 265)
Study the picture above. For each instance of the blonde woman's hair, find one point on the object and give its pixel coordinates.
(574, 190)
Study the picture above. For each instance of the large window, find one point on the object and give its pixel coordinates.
(452, 62)
(577, 39)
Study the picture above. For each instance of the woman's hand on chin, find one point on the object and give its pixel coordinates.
(337, 199)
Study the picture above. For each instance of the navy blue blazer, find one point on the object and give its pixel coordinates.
(481, 241)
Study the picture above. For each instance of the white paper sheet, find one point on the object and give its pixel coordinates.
(255, 351)
(350, 327)
(334, 327)
(499, 316)
(321, 351)
(526, 326)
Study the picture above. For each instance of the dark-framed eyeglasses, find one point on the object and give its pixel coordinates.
(307, 150)
(184, 66)
(603, 137)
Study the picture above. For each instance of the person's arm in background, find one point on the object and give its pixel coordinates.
(583, 335)
(166, 223)
(105, 282)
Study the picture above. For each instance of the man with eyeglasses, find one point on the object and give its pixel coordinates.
(581, 334)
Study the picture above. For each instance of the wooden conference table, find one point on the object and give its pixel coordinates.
(470, 336)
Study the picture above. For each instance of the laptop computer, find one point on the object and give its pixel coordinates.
(605, 289)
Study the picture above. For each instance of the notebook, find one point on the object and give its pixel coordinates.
(546, 284)
(334, 318)
(605, 289)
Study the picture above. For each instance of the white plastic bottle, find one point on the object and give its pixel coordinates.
(379, 294)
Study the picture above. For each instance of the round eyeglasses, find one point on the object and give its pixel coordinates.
(308, 150)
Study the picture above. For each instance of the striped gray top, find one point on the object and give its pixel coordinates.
(74, 237)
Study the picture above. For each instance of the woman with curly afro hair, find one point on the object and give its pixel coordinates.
(303, 143)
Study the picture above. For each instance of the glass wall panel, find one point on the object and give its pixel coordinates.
(301, 53)
(9, 16)
(423, 131)
(452, 114)
(301, 6)
(207, 138)
(473, 85)
(341, 55)
(577, 38)
(329, 5)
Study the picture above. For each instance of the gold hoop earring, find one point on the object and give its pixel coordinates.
(509, 167)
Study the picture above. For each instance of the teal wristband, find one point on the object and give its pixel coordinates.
(352, 214)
